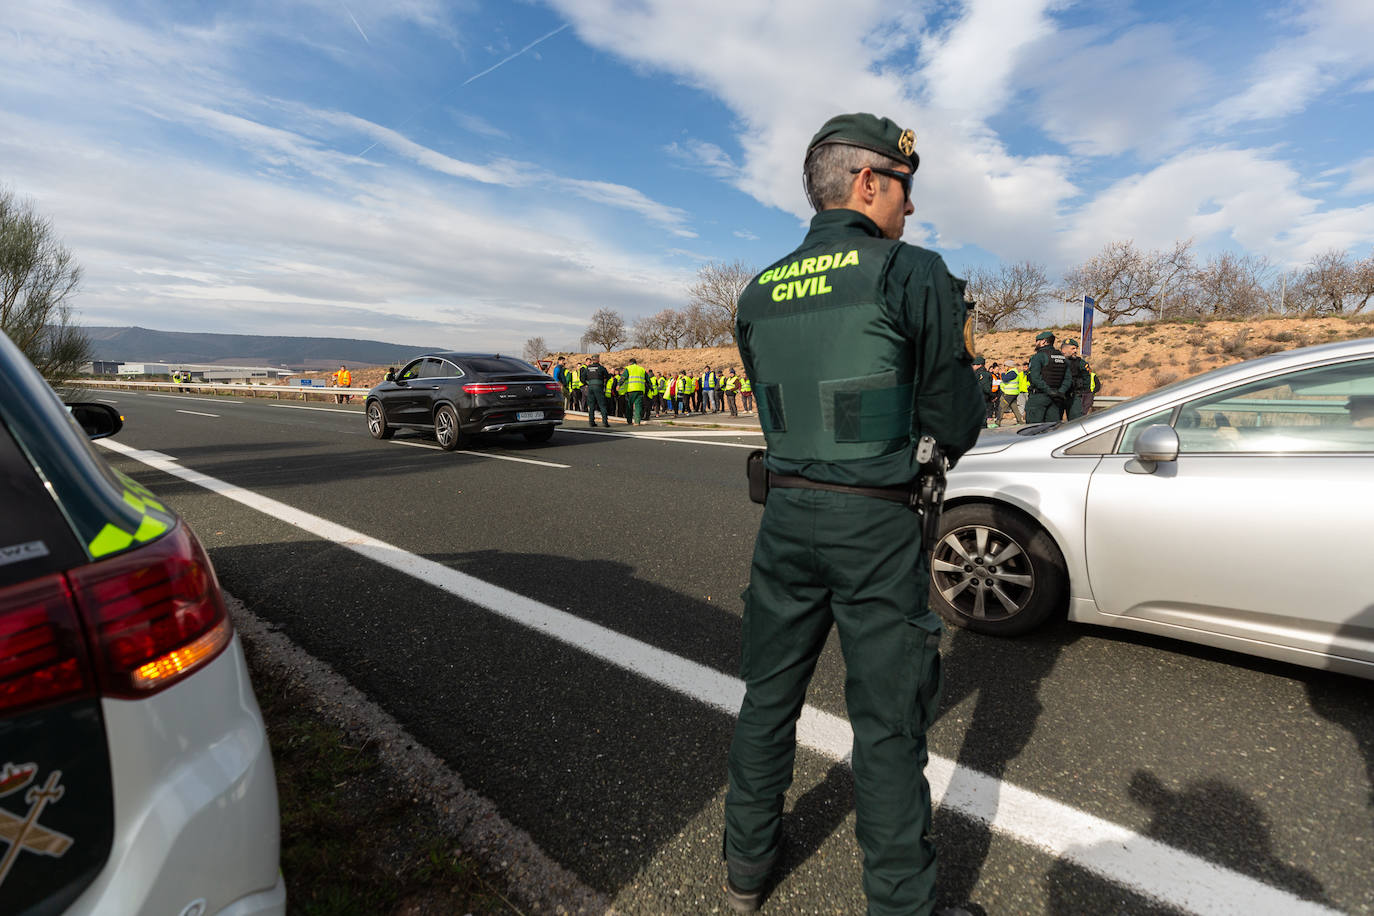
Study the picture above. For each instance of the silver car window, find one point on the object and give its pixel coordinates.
(1318, 409)
(1134, 430)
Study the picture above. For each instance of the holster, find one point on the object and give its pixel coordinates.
(758, 476)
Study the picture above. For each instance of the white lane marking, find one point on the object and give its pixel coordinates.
(656, 437)
(198, 413)
(187, 397)
(356, 413)
(547, 464)
(1148, 866)
(106, 401)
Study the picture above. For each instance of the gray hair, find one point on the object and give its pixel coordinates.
(828, 177)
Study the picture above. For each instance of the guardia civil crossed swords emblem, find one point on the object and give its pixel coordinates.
(25, 833)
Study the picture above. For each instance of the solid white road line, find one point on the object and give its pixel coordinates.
(198, 413)
(547, 464)
(106, 401)
(657, 437)
(186, 397)
(1147, 866)
(356, 413)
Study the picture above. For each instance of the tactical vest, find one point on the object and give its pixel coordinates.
(635, 377)
(747, 385)
(833, 375)
(1056, 365)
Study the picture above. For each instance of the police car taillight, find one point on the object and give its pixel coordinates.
(153, 614)
(42, 655)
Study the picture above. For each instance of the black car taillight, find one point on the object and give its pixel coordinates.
(153, 615)
(42, 656)
(483, 388)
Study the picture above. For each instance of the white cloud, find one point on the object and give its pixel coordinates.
(1361, 177)
(969, 67)
(1328, 45)
(1219, 196)
(1104, 97)
(811, 64)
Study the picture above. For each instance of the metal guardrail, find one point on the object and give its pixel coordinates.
(293, 392)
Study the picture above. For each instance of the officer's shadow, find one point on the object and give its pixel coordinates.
(1005, 675)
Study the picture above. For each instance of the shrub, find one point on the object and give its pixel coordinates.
(1163, 377)
(1194, 367)
(1236, 344)
(1147, 362)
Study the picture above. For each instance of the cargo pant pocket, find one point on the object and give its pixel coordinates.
(924, 678)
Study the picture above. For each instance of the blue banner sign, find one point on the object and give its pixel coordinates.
(1089, 306)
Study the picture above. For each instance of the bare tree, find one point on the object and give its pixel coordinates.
(648, 332)
(1331, 282)
(1006, 292)
(703, 327)
(535, 348)
(673, 325)
(1230, 286)
(717, 290)
(1125, 281)
(607, 329)
(37, 275)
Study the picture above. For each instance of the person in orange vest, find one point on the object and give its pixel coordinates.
(343, 379)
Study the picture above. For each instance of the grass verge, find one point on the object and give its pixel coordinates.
(353, 840)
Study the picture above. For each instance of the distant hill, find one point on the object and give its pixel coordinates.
(144, 345)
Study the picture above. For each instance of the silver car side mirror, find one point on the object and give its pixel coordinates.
(1157, 443)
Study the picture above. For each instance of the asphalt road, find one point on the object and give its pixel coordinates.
(1251, 768)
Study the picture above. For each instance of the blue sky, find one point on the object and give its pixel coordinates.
(474, 174)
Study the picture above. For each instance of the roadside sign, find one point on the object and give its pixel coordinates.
(1089, 307)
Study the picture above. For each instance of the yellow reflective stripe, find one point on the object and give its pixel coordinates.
(109, 540)
(113, 538)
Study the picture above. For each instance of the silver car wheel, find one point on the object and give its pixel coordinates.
(983, 573)
(446, 428)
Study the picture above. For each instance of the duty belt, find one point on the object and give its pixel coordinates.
(906, 495)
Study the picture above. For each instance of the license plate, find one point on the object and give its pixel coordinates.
(524, 415)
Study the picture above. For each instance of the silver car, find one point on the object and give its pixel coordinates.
(1234, 509)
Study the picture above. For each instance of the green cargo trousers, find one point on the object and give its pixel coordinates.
(823, 557)
(1041, 408)
(635, 413)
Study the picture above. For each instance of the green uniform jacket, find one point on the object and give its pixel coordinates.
(1036, 371)
(919, 321)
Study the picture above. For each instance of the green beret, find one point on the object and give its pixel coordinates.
(1070, 342)
(1044, 335)
(866, 131)
(979, 360)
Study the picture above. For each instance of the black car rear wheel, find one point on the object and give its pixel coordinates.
(995, 572)
(446, 428)
(543, 434)
(376, 421)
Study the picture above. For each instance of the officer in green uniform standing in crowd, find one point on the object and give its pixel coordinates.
(594, 378)
(1078, 373)
(1049, 382)
(854, 346)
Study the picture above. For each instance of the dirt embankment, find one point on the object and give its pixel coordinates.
(1130, 359)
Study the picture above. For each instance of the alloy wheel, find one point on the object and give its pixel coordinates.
(983, 573)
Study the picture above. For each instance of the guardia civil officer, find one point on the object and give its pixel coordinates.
(1078, 373)
(594, 378)
(1049, 382)
(854, 348)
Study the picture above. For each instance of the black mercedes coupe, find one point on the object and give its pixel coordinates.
(459, 395)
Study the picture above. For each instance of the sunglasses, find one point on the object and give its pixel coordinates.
(903, 177)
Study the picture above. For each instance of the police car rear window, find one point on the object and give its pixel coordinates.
(35, 539)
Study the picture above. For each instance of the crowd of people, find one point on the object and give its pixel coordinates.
(1060, 381)
(637, 393)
